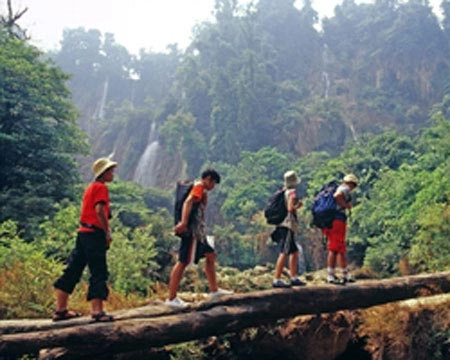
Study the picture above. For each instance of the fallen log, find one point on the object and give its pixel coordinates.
(154, 309)
(227, 315)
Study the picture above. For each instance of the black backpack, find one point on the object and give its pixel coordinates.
(324, 207)
(275, 210)
(181, 193)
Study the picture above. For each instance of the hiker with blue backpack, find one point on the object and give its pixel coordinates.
(337, 232)
(191, 228)
(286, 230)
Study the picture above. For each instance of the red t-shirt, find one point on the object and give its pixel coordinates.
(96, 192)
(197, 192)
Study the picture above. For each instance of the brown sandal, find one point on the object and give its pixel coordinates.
(102, 317)
(65, 315)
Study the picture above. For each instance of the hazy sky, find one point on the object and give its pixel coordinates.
(136, 24)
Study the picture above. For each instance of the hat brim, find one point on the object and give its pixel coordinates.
(105, 168)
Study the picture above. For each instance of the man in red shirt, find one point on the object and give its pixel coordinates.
(93, 240)
(194, 245)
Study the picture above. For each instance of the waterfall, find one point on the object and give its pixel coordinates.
(326, 81)
(325, 77)
(146, 169)
(99, 112)
(352, 129)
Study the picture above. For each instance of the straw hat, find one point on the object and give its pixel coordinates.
(290, 179)
(350, 178)
(101, 165)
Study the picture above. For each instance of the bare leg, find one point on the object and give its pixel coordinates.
(175, 279)
(331, 259)
(342, 260)
(331, 264)
(280, 265)
(96, 306)
(293, 264)
(62, 299)
(210, 271)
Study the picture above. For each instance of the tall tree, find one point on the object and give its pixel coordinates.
(38, 134)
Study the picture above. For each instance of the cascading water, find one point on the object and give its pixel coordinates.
(325, 77)
(100, 109)
(146, 170)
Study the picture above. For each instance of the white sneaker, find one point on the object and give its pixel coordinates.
(177, 302)
(334, 280)
(220, 292)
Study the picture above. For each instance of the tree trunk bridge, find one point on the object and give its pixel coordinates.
(156, 325)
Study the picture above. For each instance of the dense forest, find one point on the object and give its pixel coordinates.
(260, 90)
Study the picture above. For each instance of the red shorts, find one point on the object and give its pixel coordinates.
(336, 236)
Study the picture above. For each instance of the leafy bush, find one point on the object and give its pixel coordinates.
(131, 260)
(26, 276)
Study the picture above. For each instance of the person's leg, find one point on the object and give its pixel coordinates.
(283, 248)
(97, 313)
(206, 251)
(293, 264)
(210, 271)
(62, 299)
(331, 265)
(334, 245)
(65, 284)
(279, 266)
(342, 260)
(331, 259)
(95, 252)
(61, 311)
(293, 267)
(341, 230)
(185, 254)
(175, 279)
(96, 306)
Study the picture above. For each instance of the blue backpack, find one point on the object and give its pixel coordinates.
(324, 207)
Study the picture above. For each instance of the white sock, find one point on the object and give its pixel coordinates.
(330, 271)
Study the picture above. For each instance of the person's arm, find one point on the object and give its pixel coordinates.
(104, 223)
(293, 203)
(339, 196)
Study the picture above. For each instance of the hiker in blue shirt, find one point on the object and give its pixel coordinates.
(286, 233)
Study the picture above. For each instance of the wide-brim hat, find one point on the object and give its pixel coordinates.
(350, 178)
(101, 165)
(291, 179)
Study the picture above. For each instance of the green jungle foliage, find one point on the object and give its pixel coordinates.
(262, 75)
(39, 135)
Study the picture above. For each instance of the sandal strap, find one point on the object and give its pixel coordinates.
(61, 312)
(98, 315)
(102, 314)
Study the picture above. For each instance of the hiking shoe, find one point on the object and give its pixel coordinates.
(348, 279)
(334, 280)
(220, 292)
(280, 284)
(176, 302)
(297, 282)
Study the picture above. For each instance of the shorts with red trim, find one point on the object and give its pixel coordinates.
(336, 236)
